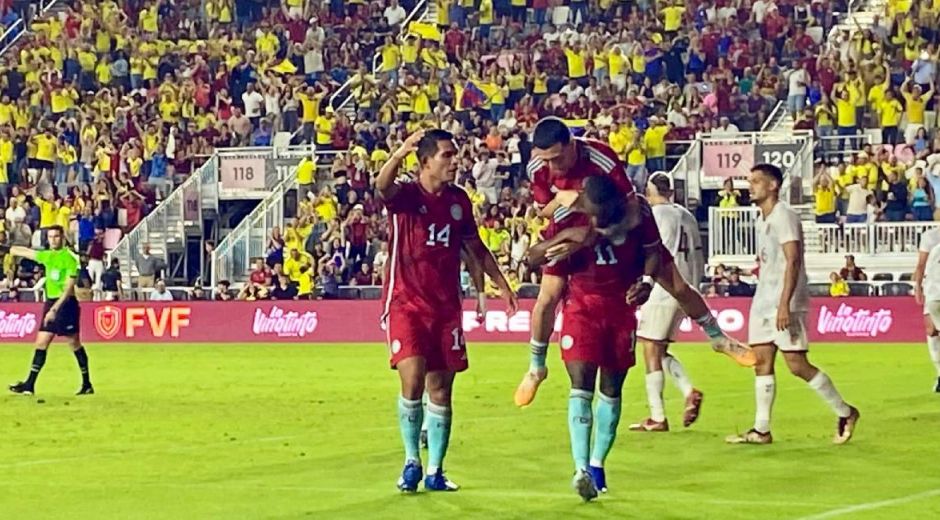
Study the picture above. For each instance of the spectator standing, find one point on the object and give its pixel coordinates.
(112, 287)
(148, 267)
(857, 210)
(896, 206)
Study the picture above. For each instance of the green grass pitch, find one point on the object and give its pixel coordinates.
(288, 431)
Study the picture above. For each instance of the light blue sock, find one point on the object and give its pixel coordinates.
(608, 417)
(539, 351)
(439, 417)
(424, 405)
(409, 422)
(580, 420)
(710, 325)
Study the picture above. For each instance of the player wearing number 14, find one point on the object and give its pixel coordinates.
(431, 223)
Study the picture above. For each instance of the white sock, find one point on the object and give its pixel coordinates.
(824, 387)
(654, 395)
(677, 371)
(765, 389)
(933, 346)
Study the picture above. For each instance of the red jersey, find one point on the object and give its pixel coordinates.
(426, 234)
(594, 158)
(599, 276)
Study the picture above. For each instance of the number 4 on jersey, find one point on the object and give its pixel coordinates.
(441, 237)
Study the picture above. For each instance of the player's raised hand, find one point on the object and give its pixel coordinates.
(410, 144)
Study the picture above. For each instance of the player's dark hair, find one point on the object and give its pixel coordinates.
(549, 132)
(427, 146)
(56, 228)
(662, 183)
(770, 170)
(602, 192)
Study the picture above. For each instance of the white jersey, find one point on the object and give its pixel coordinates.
(778, 228)
(930, 244)
(679, 232)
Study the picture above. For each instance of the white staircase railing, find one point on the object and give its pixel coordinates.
(16, 31)
(340, 100)
(165, 227)
(231, 258)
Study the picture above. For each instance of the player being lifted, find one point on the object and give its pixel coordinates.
(558, 169)
(598, 331)
(431, 222)
(61, 315)
(777, 318)
(928, 293)
(661, 315)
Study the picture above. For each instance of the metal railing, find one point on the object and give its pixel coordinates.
(231, 259)
(872, 239)
(843, 146)
(14, 32)
(344, 93)
(776, 116)
(167, 223)
(732, 232)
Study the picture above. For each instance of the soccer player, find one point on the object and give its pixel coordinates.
(661, 314)
(928, 294)
(61, 313)
(431, 221)
(559, 166)
(777, 318)
(598, 333)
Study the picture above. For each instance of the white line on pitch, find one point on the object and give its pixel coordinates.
(868, 506)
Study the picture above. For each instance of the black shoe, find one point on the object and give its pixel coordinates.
(22, 388)
(937, 388)
(86, 390)
(424, 439)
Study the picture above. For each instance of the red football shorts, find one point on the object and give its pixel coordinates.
(439, 340)
(606, 339)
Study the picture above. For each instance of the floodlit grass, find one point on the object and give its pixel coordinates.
(285, 431)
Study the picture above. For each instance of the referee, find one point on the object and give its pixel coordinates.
(61, 314)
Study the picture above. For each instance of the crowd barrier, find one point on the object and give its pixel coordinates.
(861, 319)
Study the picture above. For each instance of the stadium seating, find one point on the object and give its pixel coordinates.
(487, 73)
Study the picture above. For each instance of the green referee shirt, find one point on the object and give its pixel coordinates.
(60, 264)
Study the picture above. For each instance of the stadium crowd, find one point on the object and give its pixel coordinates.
(108, 103)
(871, 102)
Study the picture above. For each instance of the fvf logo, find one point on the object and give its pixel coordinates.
(111, 321)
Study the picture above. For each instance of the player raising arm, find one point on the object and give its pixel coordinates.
(61, 315)
(431, 221)
(777, 318)
(928, 294)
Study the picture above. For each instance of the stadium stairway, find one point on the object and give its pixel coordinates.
(44, 9)
(179, 222)
(342, 100)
